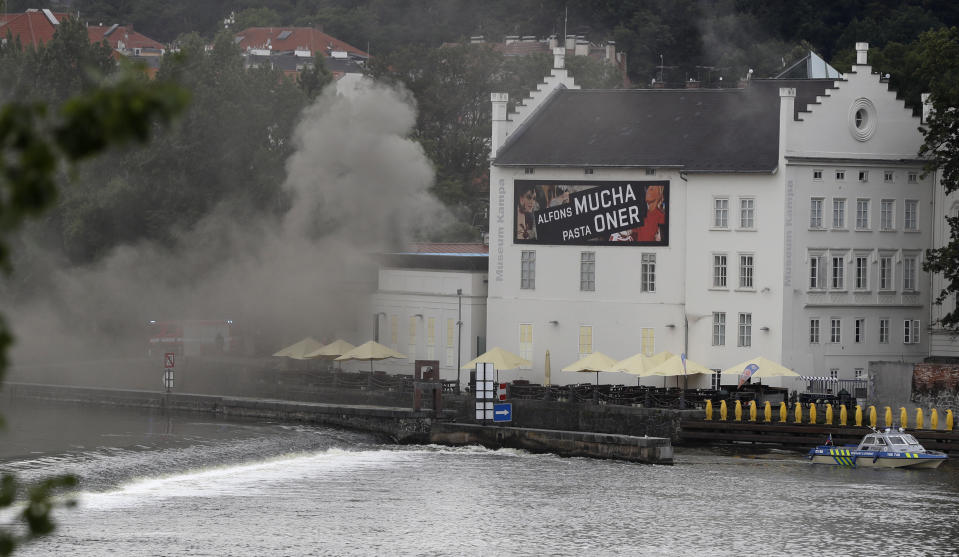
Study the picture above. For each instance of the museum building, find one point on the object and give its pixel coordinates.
(786, 218)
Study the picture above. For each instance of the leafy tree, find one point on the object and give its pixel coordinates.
(938, 52)
(313, 79)
(256, 17)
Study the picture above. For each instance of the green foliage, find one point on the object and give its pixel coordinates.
(37, 512)
(256, 17)
(312, 80)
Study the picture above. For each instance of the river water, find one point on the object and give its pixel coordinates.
(191, 484)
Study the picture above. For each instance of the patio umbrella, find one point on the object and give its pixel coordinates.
(674, 366)
(594, 363)
(640, 364)
(298, 350)
(759, 367)
(501, 359)
(331, 351)
(370, 351)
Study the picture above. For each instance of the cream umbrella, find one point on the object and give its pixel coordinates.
(759, 367)
(675, 366)
(640, 364)
(331, 351)
(299, 350)
(501, 359)
(370, 351)
(594, 363)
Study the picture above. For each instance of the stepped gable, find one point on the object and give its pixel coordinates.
(698, 130)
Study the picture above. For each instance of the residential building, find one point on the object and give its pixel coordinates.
(775, 213)
(291, 49)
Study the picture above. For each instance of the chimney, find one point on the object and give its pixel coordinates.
(611, 52)
(553, 42)
(570, 42)
(498, 135)
(477, 39)
(559, 58)
(862, 49)
(582, 46)
(787, 108)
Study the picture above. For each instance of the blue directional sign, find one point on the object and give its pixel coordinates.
(503, 412)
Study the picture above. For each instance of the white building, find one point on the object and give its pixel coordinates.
(793, 225)
(430, 304)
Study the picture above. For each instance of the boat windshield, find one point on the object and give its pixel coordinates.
(910, 440)
(897, 440)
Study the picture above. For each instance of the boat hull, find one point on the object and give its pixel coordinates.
(852, 458)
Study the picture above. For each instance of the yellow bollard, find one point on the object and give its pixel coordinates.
(949, 420)
(752, 410)
(812, 412)
(873, 419)
(782, 412)
(722, 410)
(739, 411)
(918, 418)
(828, 414)
(798, 413)
(843, 415)
(709, 410)
(888, 417)
(903, 417)
(858, 416)
(767, 412)
(934, 419)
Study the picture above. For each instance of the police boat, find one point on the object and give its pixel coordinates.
(886, 448)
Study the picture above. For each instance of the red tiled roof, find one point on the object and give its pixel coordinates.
(123, 33)
(444, 247)
(33, 28)
(296, 38)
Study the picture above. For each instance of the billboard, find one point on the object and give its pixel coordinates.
(609, 213)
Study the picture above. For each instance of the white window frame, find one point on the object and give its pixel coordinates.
(910, 273)
(721, 213)
(835, 330)
(859, 330)
(815, 213)
(837, 272)
(527, 278)
(720, 271)
(840, 175)
(888, 176)
(747, 270)
(884, 330)
(719, 328)
(814, 329)
(817, 174)
(858, 372)
(587, 271)
(887, 273)
(910, 331)
(817, 280)
(910, 218)
(861, 272)
(647, 274)
(744, 338)
(863, 176)
(839, 213)
(913, 178)
(834, 373)
(862, 214)
(747, 213)
(585, 340)
(887, 215)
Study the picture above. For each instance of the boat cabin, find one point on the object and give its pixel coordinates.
(890, 441)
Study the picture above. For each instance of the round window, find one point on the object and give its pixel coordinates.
(863, 120)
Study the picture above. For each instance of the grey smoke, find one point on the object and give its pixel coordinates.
(357, 182)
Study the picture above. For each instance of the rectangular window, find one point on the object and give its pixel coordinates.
(859, 333)
(527, 279)
(745, 271)
(885, 273)
(840, 175)
(817, 174)
(910, 331)
(863, 175)
(814, 330)
(858, 372)
(816, 280)
(529, 170)
(587, 271)
(650, 171)
(450, 352)
(648, 341)
(883, 331)
(862, 214)
(587, 171)
(526, 341)
(815, 212)
(838, 278)
(862, 272)
(719, 328)
(745, 329)
(720, 212)
(887, 210)
(913, 177)
(394, 331)
(839, 213)
(835, 330)
(412, 338)
(888, 176)
(909, 274)
(585, 340)
(747, 212)
(715, 380)
(834, 373)
(910, 219)
(719, 271)
(647, 273)
(431, 338)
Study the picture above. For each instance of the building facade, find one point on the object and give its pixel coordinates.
(785, 219)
